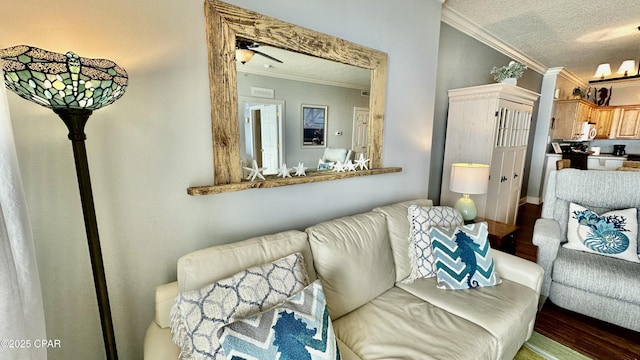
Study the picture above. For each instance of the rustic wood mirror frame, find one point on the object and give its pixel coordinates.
(225, 22)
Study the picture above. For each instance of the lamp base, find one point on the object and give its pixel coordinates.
(466, 207)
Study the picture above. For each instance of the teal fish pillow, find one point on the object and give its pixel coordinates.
(613, 234)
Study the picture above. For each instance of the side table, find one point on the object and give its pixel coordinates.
(501, 236)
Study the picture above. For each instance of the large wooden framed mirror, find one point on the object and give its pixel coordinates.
(225, 24)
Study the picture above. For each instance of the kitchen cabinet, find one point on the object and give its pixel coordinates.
(569, 116)
(489, 124)
(628, 121)
(603, 119)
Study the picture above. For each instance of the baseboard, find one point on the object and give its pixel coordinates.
(531, 200)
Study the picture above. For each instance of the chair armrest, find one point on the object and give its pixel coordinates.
(547, 237)
(518, 270)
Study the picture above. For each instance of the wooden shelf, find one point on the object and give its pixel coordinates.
(274, 181)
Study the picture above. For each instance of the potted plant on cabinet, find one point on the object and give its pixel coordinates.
(510, 73)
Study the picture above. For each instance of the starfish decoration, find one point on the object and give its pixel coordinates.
(300, 170)
(350, 166)
(339, 167)
(284, 171)
(362, 162)
(254, 171)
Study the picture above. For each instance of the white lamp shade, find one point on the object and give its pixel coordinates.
(469, 178)
(603, 70)
(627, 66)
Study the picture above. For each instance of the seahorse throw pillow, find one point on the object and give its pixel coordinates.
(197, 315)
(614, 233)
(463, 257)
(300, 328)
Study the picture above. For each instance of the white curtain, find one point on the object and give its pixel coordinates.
(22, 326)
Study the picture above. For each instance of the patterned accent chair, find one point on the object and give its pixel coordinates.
(598, 286)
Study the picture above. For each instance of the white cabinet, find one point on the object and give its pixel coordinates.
(604, 163)
(489, 124)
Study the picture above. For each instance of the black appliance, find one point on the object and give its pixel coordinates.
(618, 150)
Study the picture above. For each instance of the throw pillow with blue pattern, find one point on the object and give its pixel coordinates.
(197, 315)
(613, 234)
(299, 329)
(463, 257)
(421, 219)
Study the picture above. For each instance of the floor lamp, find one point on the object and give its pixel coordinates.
(72, 87)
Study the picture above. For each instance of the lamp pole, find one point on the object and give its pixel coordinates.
(76, 119)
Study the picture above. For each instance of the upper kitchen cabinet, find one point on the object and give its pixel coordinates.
(626, 122)
(604, 118)
(570, 114)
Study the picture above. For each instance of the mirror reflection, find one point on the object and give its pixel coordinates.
(276, 87)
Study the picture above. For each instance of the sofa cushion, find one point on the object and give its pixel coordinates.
(592, 272)
(198, 314)
(205, 266)
(352, 257)
(463, 256)
(421, 219)
(506, 311)
(398, 325)
(300, 328)
(398, 227)
(611, 234)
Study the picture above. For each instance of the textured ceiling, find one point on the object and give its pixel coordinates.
(306, 68)
(575, 34)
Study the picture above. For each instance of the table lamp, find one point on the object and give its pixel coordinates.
(468, 179)
(72, 86)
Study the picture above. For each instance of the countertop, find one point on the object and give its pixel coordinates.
(601, 156)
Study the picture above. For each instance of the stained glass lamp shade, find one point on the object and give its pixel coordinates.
(72, 86)
(62, 80)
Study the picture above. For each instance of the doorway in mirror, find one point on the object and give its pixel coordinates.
(263, 133)
(360, 130)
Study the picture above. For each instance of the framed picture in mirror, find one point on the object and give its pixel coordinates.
(314, 124)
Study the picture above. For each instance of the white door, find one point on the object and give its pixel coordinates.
(269, 138)
(264, 132)
(360, 130)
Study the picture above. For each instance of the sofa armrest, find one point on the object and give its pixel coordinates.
(518, 270)
(158, 344)
(547, 236)
(165, 298)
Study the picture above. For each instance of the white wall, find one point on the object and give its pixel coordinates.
(148, 147)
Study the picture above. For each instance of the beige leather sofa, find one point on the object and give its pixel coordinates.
(361, 261)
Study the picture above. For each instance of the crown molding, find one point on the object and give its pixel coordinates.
(463, 24)
(569, 76)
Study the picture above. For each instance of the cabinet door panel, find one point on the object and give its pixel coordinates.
(506, 184)
(603, 118)
(495, 180)
(628, 126)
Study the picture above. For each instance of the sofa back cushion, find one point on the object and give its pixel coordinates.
(398, 226)
(205, 266)
(352, 257)
(597, 190)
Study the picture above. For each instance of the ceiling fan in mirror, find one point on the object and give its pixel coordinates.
(245, 50)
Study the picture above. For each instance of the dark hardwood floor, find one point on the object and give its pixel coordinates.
(593, 338)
